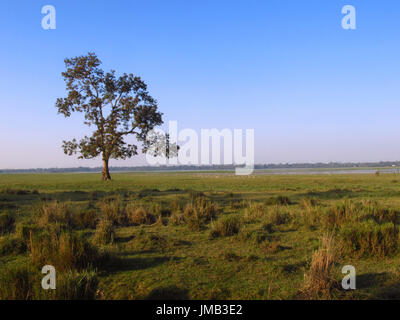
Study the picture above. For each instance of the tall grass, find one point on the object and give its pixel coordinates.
(254, 211)
(114, 210)
(65, 251)
(225, 227)
(138, 215)
(199, 212)
(74, 285)
(7, 223)
(277, 216)
(105, 232)
(320, 280)
(54, 212)
(368, 238)
(11, 244)
(278, 201)
(23, 282)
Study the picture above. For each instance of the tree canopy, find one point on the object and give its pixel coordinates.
(114, 106)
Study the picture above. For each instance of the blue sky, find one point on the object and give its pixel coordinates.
(311, 90)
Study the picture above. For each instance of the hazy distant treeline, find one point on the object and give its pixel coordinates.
(208, 167)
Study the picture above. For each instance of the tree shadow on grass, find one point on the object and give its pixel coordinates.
(124, 239)
(389, 292)
(386, 291)
(132, 264)
(168, 293)
(368, 280)
(377, 286)
(331, 194)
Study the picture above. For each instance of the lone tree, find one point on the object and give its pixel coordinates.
(115, 107)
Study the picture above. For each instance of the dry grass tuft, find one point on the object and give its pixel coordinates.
(138, 215)
(320, 281)
(105, 232)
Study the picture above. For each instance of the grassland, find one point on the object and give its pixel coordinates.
(199, 236)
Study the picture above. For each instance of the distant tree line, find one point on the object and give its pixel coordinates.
(330, 165)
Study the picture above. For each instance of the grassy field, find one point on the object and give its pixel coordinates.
(199, 236)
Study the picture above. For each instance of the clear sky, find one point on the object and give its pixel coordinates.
(311, 90)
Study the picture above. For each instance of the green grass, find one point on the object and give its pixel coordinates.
(266, 231)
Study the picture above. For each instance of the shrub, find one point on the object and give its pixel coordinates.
(24, 283)
(65, 251)
(151, 242)
(308, 203)
(373, 210)
(139, 215)
(176, 218)
(339, 214)
(7, 222)
(76, 286)
(175, 205)
(11, 244)
(193, 218)
(278, 201)
(206, 209)
(199, 212)
(310, 217)
(24, 230)
(226, 227)
(254, 211)
(370, 239)
(105, 232)
(54, 212)
(319, 282)
(114, 211)
(86, 218)
(19, 283)
(194, 195)
(277, 216)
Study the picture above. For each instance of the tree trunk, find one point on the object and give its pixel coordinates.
(106, 171)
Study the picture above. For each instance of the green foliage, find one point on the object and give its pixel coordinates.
(277, 216)
(199, 212)
(105, 232)
(54, 212)
(113, 209)
(86, 218)
(278, 201)
(74, 285)
(11, 244)
(368, 238)
(254, 212)
(21, 282)
(91, 91)
(65, 251)
(226, 226)
(7, 222)
(138, 215)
